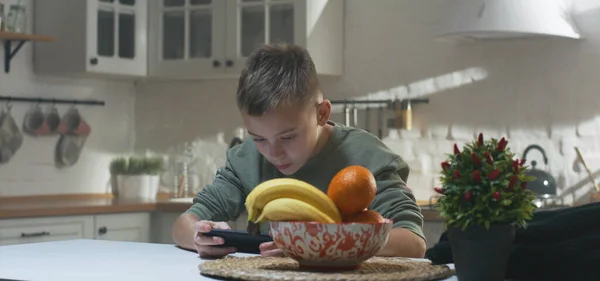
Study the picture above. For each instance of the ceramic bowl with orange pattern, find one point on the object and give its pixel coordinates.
(327, 247)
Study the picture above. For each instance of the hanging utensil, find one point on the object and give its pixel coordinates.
(354, 116)
(407, 116)
(367, 119)
(402, 115)
(591, 177)
(346, 114)
(380, 122)
(595, 196)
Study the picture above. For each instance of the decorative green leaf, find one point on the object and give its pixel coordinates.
(515, 206)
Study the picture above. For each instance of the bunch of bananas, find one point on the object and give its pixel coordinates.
(290, 200)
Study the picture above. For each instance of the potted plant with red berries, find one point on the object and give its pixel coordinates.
(484, 200)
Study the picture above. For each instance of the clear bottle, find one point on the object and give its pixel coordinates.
(181, 181)
(16, 21)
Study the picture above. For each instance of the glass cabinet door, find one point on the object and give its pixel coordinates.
(117, 44)
(256, 22)
(187, 29)
(191, 32)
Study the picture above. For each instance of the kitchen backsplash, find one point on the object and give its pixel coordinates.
(532, 91)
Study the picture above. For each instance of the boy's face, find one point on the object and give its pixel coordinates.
(287, 136)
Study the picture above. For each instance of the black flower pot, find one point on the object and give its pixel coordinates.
(481, 254)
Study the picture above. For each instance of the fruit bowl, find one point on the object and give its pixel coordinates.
(330, 246)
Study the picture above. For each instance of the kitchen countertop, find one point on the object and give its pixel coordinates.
(63, 205)
(85, 204)
(93, 260)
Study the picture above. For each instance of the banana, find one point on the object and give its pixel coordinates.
(288, 209)
(289, 188)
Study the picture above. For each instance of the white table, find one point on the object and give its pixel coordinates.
(92, 260)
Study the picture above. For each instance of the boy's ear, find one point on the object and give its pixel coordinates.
(323, 112)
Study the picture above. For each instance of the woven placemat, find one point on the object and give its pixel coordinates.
(275, 268)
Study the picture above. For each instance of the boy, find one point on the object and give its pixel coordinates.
(284, 111)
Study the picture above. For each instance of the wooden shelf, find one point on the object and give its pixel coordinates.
(5, 35)
(20, 39)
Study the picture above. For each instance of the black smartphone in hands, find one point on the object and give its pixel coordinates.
(241, 240)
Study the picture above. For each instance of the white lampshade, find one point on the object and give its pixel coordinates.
(503, 19)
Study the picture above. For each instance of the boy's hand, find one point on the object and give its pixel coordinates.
(205, 245)
(269, 249)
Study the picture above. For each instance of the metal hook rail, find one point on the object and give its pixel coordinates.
(11, 99)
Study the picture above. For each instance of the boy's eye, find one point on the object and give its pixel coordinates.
(287, 137)
(258, 140)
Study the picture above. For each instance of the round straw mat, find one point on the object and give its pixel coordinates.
(277, 268)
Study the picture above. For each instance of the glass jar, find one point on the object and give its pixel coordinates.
(16, 21)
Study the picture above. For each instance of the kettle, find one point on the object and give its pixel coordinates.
(544, 184)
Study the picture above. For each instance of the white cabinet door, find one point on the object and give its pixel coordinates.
(95, 37)
(187, 38)
(116, 37)
(33, 230)
(130, 227)
(252, 23)
(317, 25)
(162, 224)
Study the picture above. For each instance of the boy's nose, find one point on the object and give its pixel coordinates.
(276, 151)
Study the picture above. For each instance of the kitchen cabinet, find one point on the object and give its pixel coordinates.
(94, 37)
(198, 39)
(132, 227)
(162, 223)
(33, 230)
(181, 39)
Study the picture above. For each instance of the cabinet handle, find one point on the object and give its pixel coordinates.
(216, 63)
(35, 234)
(103, 230)
(229, 63)
(94, 61)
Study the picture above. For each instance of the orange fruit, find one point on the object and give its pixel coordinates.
(366, 216)
(352, 189)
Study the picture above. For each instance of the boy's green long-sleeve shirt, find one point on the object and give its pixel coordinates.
(223, 200)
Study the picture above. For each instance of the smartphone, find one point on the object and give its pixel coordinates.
(241, 240)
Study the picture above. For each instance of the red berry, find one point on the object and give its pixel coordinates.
(502, 145)
(496, 195)
(511, 184)
(475, 159)
(494, 175)
(488, 158)
(468, 195)
(476, 176)
(445, 166)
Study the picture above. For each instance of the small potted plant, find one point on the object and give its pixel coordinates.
(118, 166)
(137, 177)
(484, 198)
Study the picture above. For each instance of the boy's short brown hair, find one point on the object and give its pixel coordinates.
(276, 75)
